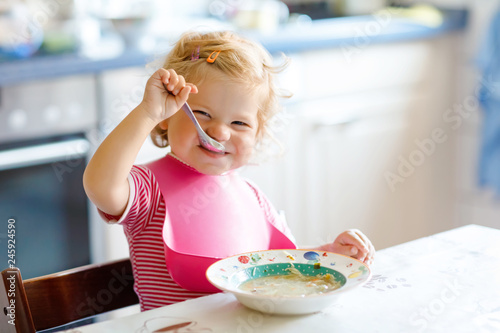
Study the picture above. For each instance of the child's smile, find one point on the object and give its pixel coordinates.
(228, 113)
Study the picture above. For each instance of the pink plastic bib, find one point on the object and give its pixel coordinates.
(209, 218)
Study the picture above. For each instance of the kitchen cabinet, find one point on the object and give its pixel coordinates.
(120, 91)
(368, 145)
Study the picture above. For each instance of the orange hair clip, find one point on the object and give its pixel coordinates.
(211, 58)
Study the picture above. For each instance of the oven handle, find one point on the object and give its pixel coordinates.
(44, 154)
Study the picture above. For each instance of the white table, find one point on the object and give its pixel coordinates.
(448, 282)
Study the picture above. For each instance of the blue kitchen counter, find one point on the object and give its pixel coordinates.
(346, 32)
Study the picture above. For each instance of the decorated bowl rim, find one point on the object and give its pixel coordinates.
(236, 291)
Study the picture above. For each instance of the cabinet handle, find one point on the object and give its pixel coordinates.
(43, 154)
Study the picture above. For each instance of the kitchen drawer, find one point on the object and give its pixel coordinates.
(334, 72)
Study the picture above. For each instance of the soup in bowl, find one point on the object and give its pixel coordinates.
(288, 281)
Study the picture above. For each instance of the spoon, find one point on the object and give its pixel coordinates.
(206, 141)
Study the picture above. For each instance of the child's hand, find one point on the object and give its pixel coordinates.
(165, 93)
(352, 243)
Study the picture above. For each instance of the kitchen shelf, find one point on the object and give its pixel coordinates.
(319, 34)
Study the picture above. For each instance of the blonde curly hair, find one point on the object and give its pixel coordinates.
(241, 60)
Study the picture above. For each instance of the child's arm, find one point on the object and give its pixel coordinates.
(352, 243)
(105, 178)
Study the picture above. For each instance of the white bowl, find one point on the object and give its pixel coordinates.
(228, 274)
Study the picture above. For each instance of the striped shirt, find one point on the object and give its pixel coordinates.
(143, 222)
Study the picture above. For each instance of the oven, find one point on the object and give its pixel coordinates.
(44, 148)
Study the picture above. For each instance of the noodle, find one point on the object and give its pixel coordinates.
(293, 284)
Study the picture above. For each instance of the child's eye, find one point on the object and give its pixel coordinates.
(202, 113)
(240, 123)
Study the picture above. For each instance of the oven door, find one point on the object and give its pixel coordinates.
(42, 198)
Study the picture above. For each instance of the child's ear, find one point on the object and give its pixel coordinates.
(163, 124)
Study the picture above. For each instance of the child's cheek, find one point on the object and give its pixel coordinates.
(246, 144)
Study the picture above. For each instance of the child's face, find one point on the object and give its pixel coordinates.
(228, 113)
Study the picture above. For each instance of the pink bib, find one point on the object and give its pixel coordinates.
(209, 218)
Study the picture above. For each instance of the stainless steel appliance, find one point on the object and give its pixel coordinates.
(44, 148)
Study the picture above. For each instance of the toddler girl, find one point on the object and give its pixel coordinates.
(185, 210)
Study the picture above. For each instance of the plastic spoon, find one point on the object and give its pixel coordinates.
(206, 141)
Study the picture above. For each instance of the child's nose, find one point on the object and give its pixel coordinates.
(218, 131)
